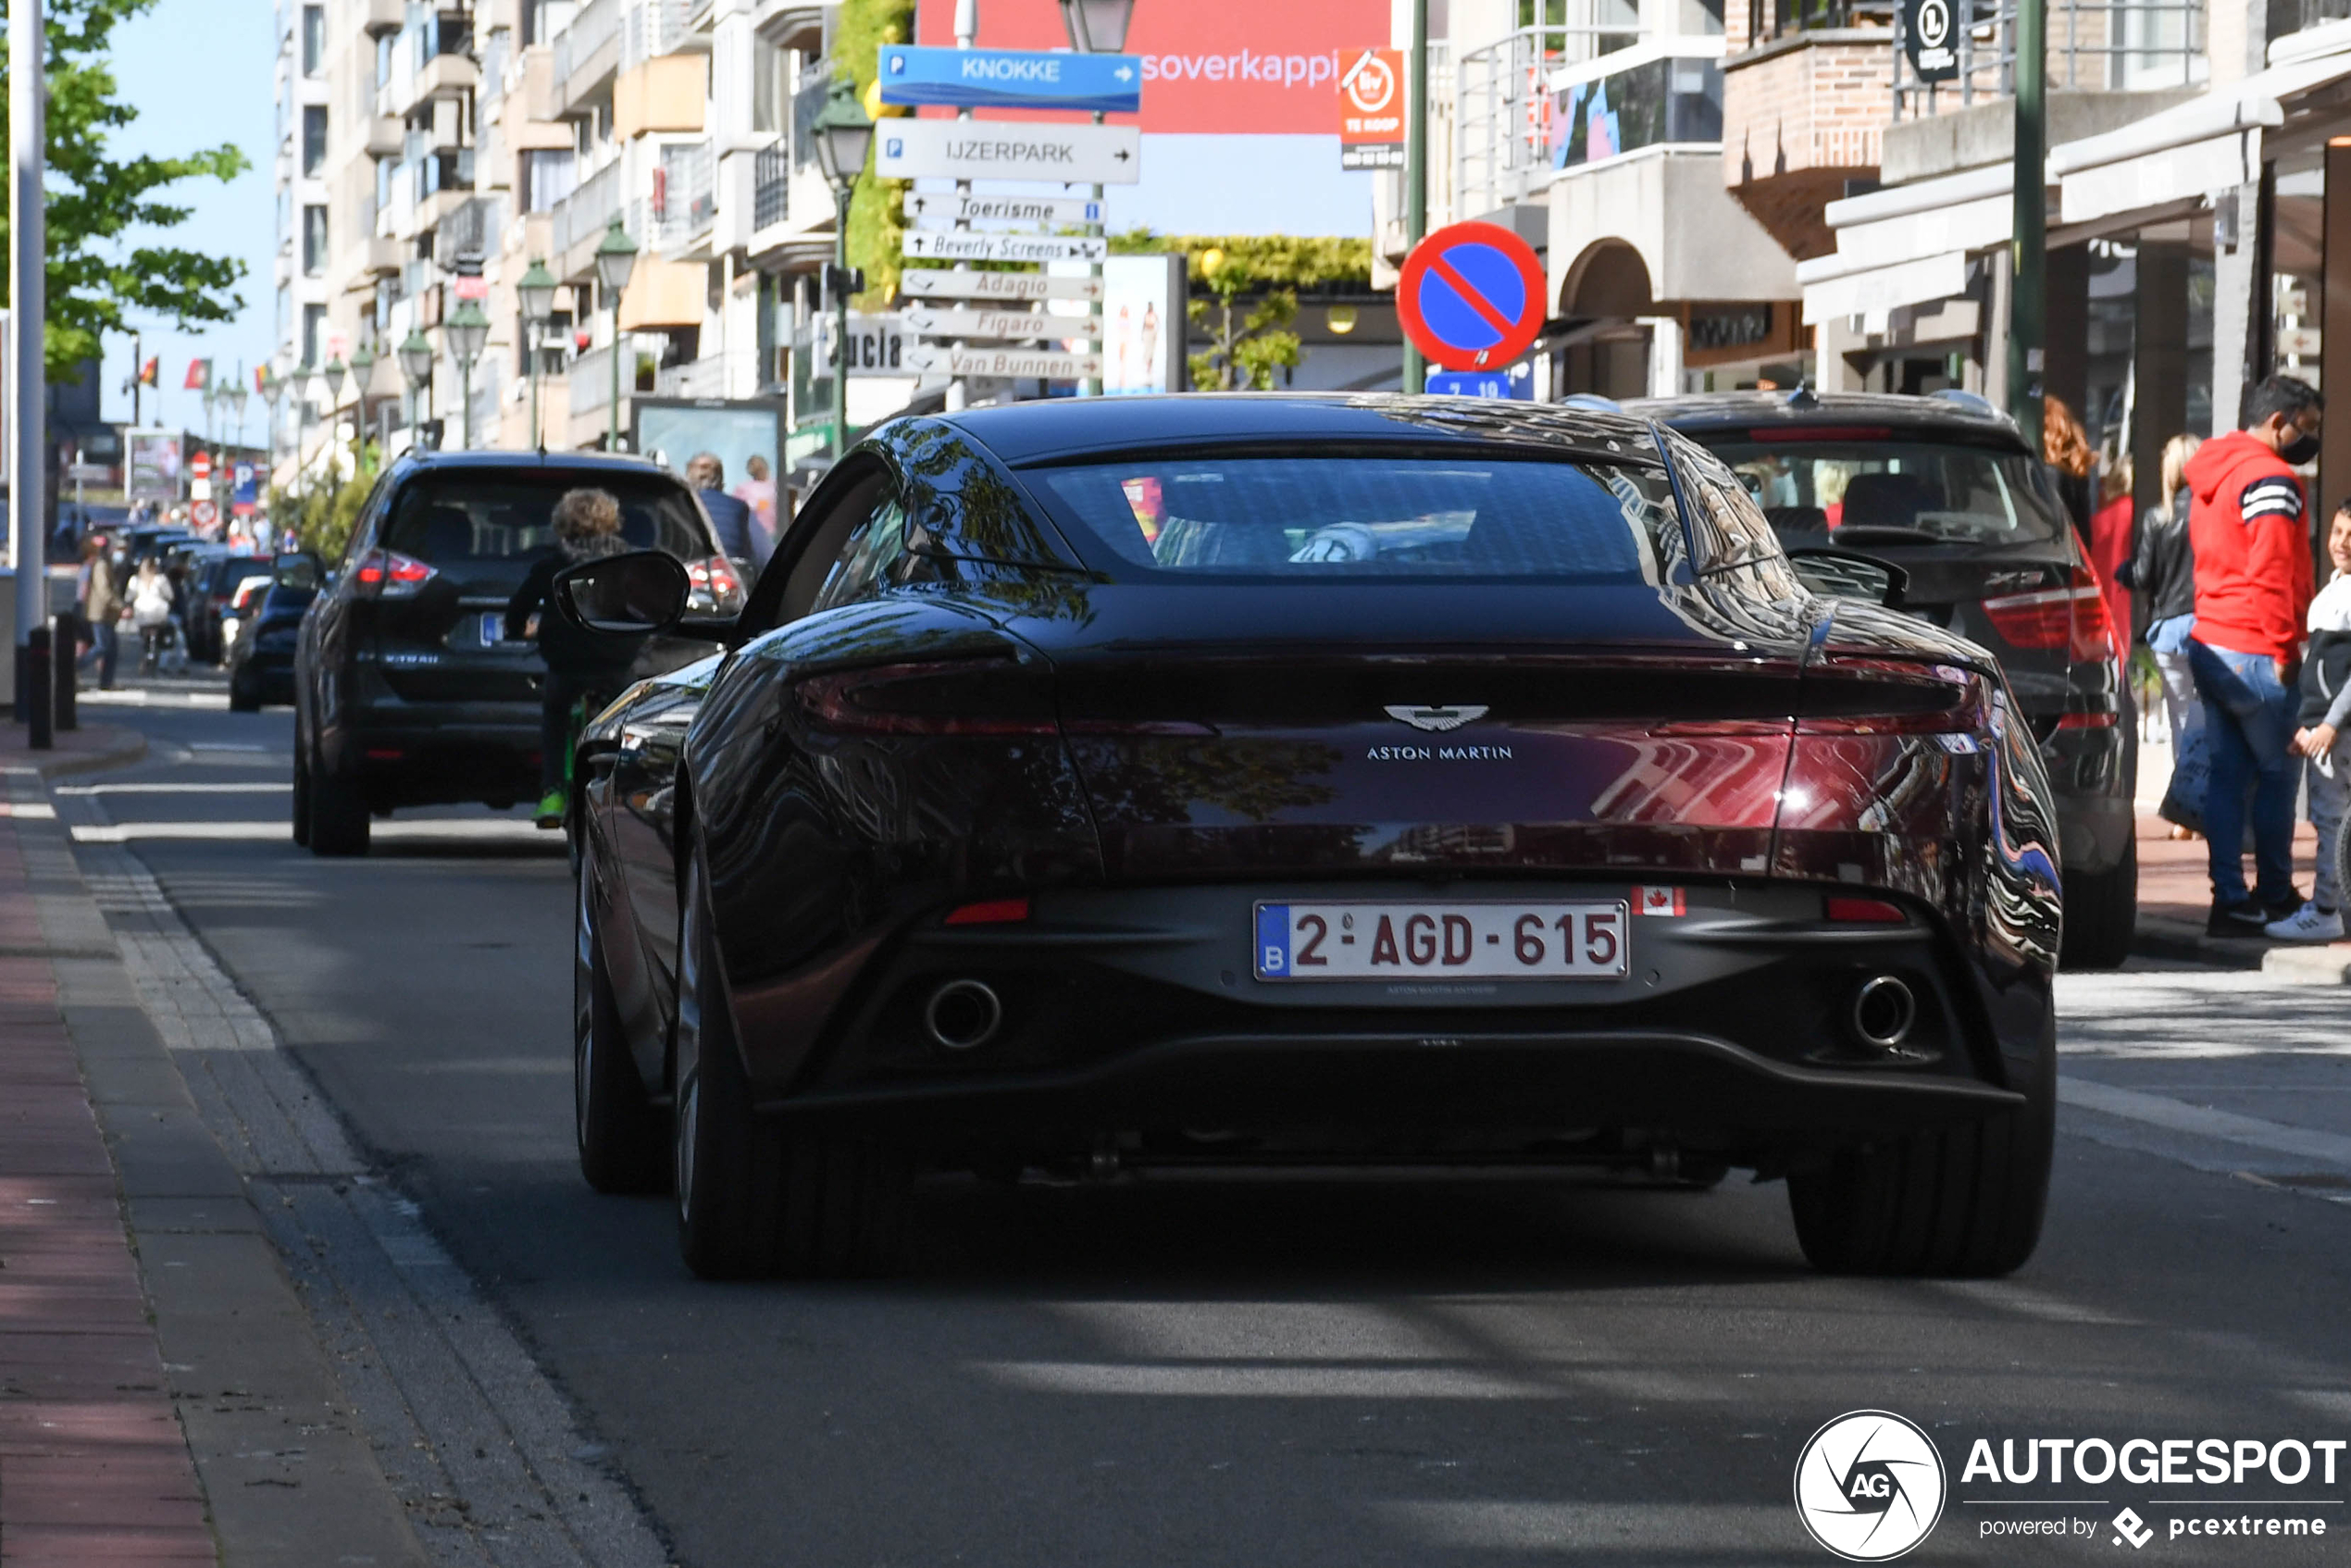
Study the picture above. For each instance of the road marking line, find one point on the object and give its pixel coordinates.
(2202, 1121)
(259, 787)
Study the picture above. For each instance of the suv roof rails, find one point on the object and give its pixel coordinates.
(1803, 396)
(1592, 401)
(1975, 400)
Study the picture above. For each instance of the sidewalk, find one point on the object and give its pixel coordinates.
(94, 1467)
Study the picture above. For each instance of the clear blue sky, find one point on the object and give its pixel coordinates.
(199, 72)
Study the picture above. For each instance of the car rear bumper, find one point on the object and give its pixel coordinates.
(412, 755)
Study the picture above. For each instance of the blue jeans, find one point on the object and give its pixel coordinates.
(2248, 718)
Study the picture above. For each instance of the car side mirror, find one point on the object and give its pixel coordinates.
(637, 594)
(1847, 573)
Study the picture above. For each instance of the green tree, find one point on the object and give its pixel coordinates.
(1242, 352)
(96, 275)
(876, 208)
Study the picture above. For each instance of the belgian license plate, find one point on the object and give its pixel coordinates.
(493, 628)
(1442, 941)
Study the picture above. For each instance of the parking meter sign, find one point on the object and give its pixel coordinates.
(1472, 296)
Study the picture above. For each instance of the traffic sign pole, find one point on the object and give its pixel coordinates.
(1416, 167)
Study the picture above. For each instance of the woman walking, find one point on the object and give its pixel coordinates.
(151, 612)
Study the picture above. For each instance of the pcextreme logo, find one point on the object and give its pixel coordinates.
(1870, 1486)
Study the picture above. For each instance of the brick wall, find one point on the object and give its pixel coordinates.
(1816, 102)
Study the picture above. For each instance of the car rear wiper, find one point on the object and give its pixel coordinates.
(1883, 533)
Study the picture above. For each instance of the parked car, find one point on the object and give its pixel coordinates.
(407, 690)
(260, 661)
(1184, 782)
(1947, 489)
(213, 604)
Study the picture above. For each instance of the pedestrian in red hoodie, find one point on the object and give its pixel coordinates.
(2251, 539)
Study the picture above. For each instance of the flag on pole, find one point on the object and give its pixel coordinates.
(261, 380)
(151, 373)
(199, 376)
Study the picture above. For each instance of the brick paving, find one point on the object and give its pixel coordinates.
(94, 1470)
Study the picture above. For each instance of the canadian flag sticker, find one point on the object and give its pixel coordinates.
(1658, 901)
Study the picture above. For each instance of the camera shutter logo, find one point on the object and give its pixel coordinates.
(1870, 1486)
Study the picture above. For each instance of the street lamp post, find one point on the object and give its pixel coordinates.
(362, 372)
(536, 293)
(334, 375)
(416, 367)
(616, 259)
(468, 331)
(1097, 27)
(844, 141)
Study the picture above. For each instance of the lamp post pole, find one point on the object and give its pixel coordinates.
(536, 294)
(616, 259)
(1417, 167)
(467, 331)
(2029, 264)
(1097, 27)
(844, 141)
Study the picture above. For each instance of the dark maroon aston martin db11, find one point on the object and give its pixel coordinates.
(1261, 781)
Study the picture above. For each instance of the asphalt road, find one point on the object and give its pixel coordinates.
(1303, 1373)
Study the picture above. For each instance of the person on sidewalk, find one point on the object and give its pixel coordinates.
(729, 519)
(2161, 571)
(2253, 588)
(580, 665)
(100, 607)
(2325, 737)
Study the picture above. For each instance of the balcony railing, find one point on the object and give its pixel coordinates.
(706, 377)
(1768, 20)
(2095, 46)
(771, 187)
(685, 193)
(1501, 107)
(590, 378)
(469, 230)
(587, 212)
(590, 29)
(654, 28)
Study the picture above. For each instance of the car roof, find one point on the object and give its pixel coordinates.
(531, 462)
(1030, 433)
(1964, 414)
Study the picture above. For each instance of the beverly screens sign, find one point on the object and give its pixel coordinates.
(1218, 67)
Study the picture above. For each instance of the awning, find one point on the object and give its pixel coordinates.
(1872, 291)
(2206, 145)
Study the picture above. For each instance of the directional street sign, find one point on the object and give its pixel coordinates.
(931, 244)
(991, 149)
(941, 359)
(926, 321)
(939, 208)
(1472, 296)
(925, 284)
(1011, 79)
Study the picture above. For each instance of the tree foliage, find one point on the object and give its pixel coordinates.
(876, 208)
(1273, 261)
(1243, 351)
(322, 512)
(96, 277)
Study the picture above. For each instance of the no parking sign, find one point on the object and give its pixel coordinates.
(1472, 296)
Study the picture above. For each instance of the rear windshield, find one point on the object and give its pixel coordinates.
(450, 519)
(1357, 517)
(1893, 491)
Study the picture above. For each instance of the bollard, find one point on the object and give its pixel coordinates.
(64, 634)
(36, 687)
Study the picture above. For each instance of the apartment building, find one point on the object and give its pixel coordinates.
(432, 153)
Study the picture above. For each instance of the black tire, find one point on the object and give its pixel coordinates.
(2102, 913)
(2342, 863)
(622, 1139)
(337, 812)
(242, 699)
(301, 792)
(1958, 1201)
(754, 1201)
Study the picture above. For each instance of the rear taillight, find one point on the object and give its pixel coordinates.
(715, 590)
(968, 697)
(993, 911)
(2073, 617)
(1865, 912)
(1871, 697)
(387, 574)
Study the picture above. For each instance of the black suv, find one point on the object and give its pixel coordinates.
(1947, 489)
(407, 689)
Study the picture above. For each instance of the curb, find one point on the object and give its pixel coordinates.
(2327, 964)
(2156, 936)
(124, 746)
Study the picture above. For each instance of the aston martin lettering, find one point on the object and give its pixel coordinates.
(1439, 754)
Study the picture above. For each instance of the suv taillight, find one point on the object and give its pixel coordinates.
(716, 591)
(387, 574)
(2073, 617)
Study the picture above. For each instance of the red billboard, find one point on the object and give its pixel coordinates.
(1235, 66)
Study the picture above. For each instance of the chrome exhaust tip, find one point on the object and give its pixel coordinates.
(963, 1016)
(1883, 1011)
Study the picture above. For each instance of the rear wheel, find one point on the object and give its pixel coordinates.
(337, 812)
(243, 698)
(754, 1199)
(1963, 1201)
(620, 1129)
(2101, 914)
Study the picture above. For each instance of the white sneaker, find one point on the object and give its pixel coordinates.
(2307, 924)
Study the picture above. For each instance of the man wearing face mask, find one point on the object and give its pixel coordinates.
(2253, 587)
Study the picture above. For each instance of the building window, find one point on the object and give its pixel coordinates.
(314, 327)
(314, 140)
(314, 39)
(770, 86)
(547, 177)
(314, 242)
